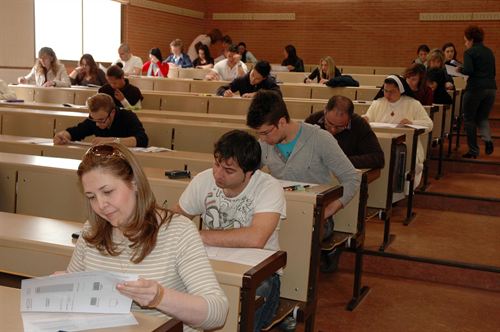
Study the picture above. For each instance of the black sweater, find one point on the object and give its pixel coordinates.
(479, 64)
(125, 124)
(315, 75)
(131, 93)
(243, 85)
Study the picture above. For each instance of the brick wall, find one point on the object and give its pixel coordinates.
(354, 32)
(144, 29)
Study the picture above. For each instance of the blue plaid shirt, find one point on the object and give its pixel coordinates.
(182, 61)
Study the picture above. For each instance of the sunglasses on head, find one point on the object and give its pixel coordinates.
(105, 151)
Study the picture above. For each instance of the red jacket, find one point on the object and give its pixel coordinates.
(163, 68)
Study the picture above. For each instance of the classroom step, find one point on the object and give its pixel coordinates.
(439, 234)
(461, 165)
(468, 184)
(460, 202)
(423, 271)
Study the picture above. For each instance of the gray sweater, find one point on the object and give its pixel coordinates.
(314, 158)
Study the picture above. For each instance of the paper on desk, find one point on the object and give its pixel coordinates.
(93, 292)
(452, 70)
(150, 149)
(286, 184)
(35, 140)
(245, 256)
(50, 322)
(414, 126)
(276, 68)
(383, 125)
(80, 143)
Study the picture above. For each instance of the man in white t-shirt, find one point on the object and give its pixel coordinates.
(132, 65)
(240, 207)
(230, 68)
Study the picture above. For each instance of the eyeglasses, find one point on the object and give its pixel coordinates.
(100, 121)
(330, 125)
(267, 132)
(105, 151)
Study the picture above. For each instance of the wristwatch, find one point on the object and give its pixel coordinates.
(117, 140)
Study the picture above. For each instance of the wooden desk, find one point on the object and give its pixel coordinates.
(35, 246)
(11, 319)
(301, 270)
(380, 191)
(412, 138)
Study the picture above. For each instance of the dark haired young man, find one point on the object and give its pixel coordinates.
(124, 94)
(298, 151)
(258, 78)
(240, 206)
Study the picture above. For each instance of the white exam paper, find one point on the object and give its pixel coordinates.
(36, 140)
(245, 256)
(383, 125)
(91, 292)
(452, 70)
(152, 149)
(50, 322)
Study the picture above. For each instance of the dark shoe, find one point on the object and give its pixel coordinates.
(469, 155)
(330, 261)
(488, 147)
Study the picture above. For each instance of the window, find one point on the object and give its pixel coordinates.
(75, 27)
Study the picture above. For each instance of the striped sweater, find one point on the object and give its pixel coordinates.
(179, 261)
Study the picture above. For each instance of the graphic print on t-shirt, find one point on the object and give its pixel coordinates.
(224, 213)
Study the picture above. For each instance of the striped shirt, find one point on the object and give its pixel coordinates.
(178, 261)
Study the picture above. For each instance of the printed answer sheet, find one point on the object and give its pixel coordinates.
(91, 292)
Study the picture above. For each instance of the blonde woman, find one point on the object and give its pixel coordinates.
(129, 232)
(47, 71)
(324, 72)
(436, 60)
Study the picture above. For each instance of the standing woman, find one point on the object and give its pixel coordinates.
(324, 72)
(47, 71)
(292, 61)
(479, 96)
(128, 232)
(155, 66)
(87, 73)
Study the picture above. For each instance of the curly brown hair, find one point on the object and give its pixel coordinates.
(474, 33)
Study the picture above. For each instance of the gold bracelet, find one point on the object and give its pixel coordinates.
(158, 297)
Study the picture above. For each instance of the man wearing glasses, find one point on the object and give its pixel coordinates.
(353, 134)
(298, 151)
(107, 123)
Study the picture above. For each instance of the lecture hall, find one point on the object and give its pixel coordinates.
(249, 165)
